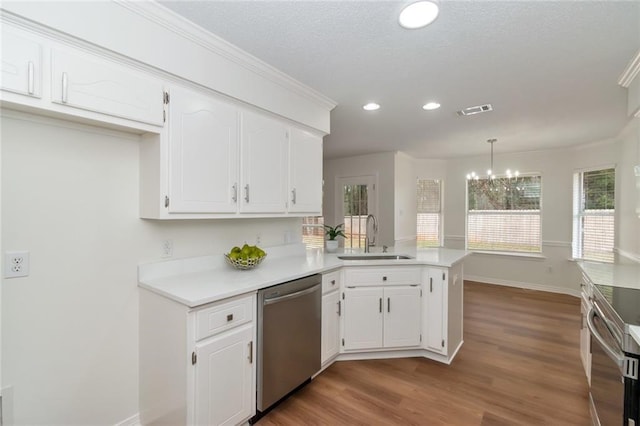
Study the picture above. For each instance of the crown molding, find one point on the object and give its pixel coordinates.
(177, 24)
(630, 72)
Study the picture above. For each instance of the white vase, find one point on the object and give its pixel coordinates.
(332, 245)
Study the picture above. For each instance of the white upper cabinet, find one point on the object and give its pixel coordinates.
(21, 63)
(203, 154)
(305, 176)
(94, 84)
(264, 166)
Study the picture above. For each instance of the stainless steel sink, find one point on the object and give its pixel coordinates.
(375, 257)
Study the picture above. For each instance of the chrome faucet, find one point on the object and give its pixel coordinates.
(368, 241)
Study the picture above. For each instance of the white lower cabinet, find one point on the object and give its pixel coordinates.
(197, 365)
(331, 307)
(381, 316)
(435, 301)
(223, 378)
(443, 309)
(331, 312)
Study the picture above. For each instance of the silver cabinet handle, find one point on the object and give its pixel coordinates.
(250, 356)
(30, 74)
(339, 308)
(235, 193)
(293, 196)
(65, 87)
(246, 193)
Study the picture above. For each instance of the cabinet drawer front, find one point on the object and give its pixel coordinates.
(330, 281)
(222, 317)
(382, 276)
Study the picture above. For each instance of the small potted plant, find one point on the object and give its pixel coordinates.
(332, 232)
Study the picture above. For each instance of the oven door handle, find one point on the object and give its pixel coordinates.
(613, 354)
(291, 295)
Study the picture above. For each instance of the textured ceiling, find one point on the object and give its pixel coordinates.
(550, 69)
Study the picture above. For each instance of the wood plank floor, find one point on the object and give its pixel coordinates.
(519, 365)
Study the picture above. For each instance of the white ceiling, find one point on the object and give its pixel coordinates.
(550, 69)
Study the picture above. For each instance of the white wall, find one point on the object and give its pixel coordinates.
(380, 165)
(70, 329)
(404, 199)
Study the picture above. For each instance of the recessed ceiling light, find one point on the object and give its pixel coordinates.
(371, 106)
(430, 106)
(418, 14)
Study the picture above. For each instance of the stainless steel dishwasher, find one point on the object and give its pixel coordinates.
(289, 327)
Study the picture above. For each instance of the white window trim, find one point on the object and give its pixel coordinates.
(576, 235)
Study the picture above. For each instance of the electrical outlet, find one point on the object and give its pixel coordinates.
(16, 264)
(167, 248)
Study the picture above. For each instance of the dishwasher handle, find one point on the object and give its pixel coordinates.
(290, 296)
(612, 353)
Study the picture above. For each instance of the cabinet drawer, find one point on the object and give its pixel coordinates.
(330, 281)
(382, 276)
(223, 316)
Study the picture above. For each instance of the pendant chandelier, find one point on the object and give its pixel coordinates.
(490, 172)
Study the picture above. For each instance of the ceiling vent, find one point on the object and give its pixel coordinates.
(475, 110)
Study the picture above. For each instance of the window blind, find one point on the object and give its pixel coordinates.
(313, 231)
(594, 214)
(504, 214)
(428, 231)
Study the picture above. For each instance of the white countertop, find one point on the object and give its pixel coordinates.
(625, 275)
(634, 330)
(197, 281)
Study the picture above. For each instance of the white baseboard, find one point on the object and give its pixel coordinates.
(525, 285)
(131, 421)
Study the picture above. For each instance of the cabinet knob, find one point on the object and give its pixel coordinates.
(230, 317)
(333, 282)
(384, 278)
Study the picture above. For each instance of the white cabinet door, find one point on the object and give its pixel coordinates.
(264, 164)
(436, 287)
(223, 378)
(402, 316)
(331, 310)
(363, 318)
(203, 154)
(305, 173)
(90, 83)
(21, 63)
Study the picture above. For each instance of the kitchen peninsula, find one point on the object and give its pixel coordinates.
(200, 314)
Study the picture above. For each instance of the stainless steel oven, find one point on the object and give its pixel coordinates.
(615, 356)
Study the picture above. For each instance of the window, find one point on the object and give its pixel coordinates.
(593, 214)
(356, 203)
(503, 214)
(429, 223)
(313, 231)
